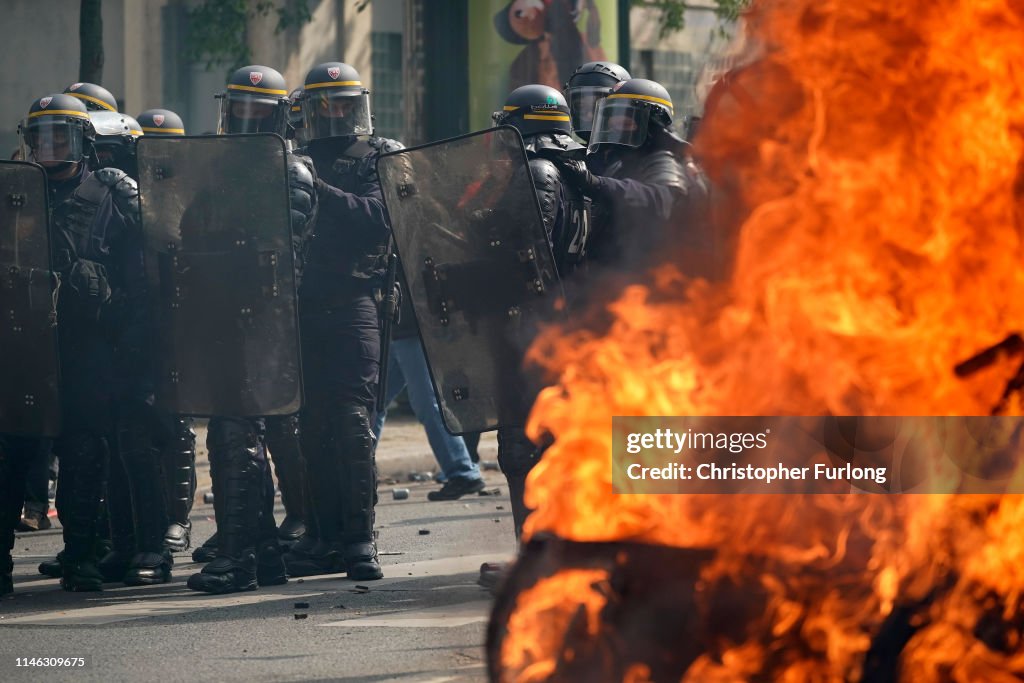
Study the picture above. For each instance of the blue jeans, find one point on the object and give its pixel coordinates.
(407, 367)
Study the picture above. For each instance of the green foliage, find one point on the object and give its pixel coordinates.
(216, 28)
(673, 12)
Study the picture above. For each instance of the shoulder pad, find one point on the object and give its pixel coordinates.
(662, 167)
(546, 182)
(123, 190)
(544, 173)
(300, 168)
(552, 143)
(385, 145)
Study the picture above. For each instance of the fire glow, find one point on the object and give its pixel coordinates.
(871, 166)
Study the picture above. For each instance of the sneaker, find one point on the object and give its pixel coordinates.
(291, 530)
(34, 521)
(456, 488)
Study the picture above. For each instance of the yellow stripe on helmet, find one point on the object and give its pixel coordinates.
(135, 132)
(509, 107)
(177, 131)
(330, 84)
(90, 98)
(250, 88)
(550, 117)
(58, 112)
(649, 98)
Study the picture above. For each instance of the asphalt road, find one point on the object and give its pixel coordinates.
(425, 621)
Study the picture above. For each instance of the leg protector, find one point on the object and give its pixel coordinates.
(79, 490)
(141, 458)
(283, 443)
(516, 456)
(237, 465)
(319, 551)
(353, 446)
(114, 564)
(178, 457)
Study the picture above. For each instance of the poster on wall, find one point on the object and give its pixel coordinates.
(518, 42)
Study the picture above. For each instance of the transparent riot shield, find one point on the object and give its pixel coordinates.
(29, 360)
(480, 273)
(219, 262)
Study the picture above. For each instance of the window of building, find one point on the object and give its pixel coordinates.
(386, 61)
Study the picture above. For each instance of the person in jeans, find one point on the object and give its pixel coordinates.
(407, 368)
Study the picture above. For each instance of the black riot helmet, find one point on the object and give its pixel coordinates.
(295, 121)
(535, 109)
(161, 122)
(588, 85)
(115, 140)
(94, 97)
(626, 115)
(57, 133)
(335, 103)
(255, 101)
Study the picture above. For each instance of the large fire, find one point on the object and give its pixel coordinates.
(871, 163)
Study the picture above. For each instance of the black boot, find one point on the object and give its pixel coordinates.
(234, 446)
(283, 444)
(79, 488)
(136, 446)
(270, 568)
(178, 457)
(207, 551)
(321, 549)
(357, 478)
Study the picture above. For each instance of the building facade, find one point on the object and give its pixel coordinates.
(437, 68)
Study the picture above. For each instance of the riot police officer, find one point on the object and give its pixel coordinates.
(94, 232)
(345, 266)
(94, 97)
(638, 172)
(177, 437)
(588, 85)
(247, 551)
(542, 116)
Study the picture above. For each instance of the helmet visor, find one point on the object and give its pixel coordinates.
(331, 114)
(241, 113)
(50, 139)
(619, 122)
(583, 101)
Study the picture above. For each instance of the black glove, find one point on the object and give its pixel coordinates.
(88, 280)
(577, 173)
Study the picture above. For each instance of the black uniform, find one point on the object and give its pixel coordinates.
(247, 550)
(542, 116)
(341, 352)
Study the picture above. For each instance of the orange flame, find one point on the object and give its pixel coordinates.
(870, 166)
